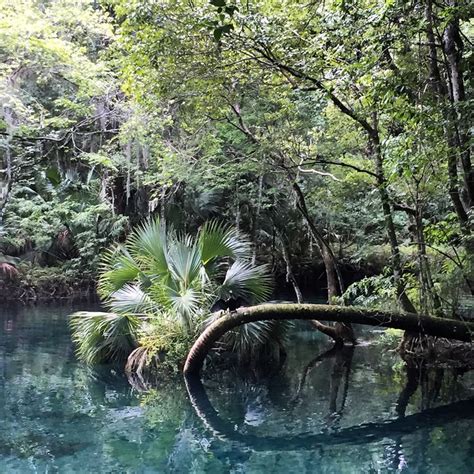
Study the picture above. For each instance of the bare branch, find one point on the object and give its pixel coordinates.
(321, 173)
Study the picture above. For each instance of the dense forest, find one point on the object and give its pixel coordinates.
(236, 236)
(317, 152)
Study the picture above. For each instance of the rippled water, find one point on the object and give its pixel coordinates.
(331, 412)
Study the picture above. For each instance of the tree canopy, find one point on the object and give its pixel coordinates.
(336, 135)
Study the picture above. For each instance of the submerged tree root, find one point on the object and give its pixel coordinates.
(437, 352)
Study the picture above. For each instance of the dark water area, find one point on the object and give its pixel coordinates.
(343, 411)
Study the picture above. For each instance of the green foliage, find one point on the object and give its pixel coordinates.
(165, 283)
(180, 274)
(114, 112)
(102, 337)
(246, 281)
(31, 282)
(55, 91)
(253, 341)
(390, 338)
(263, 87)
(163, 345)
(372, 292)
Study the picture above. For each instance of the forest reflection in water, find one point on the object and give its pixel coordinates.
(417, 377)
(327, 410)
(428, 380)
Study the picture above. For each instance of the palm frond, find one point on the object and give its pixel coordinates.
(150, 240)
(102, 337)
(173, 277)
(184, 259)
(244, 280)
(247, 340)
(130, 299)
(185, 304)
(219, 240)
(119, 268)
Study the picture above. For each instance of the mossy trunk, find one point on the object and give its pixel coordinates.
(447, 328)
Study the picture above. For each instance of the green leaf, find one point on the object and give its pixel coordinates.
(219, 240)
(244, 280)
(53, 176)
(218, 33)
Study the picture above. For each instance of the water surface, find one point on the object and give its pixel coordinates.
(326, 412)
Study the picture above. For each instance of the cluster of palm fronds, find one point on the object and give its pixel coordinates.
(161, 274)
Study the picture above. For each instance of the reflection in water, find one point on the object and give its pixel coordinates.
(340, 372)
(342, 357)
(343, 411)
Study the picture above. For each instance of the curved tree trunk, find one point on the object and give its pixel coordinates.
(448, 328)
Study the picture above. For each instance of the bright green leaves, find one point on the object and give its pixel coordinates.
(184, 260)
(148, 244)
(160, 271)
(120, 268)
(104, 337)
(218, 240)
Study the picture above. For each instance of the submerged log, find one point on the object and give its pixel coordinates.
(447, 328)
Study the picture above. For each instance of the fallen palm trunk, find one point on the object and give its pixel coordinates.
(447, 328)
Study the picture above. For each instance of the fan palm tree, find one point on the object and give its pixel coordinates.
(159, 273)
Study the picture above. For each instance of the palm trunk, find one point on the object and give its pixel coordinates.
(447, 328)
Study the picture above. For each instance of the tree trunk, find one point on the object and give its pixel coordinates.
(331, 274)
(341, 331)
(405, 302)
(335, 285)
(436, 82)
(457, 124)
(447, 328)
(290, 277)
(430, 301)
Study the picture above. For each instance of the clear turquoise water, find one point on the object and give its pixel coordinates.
(353, 411)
